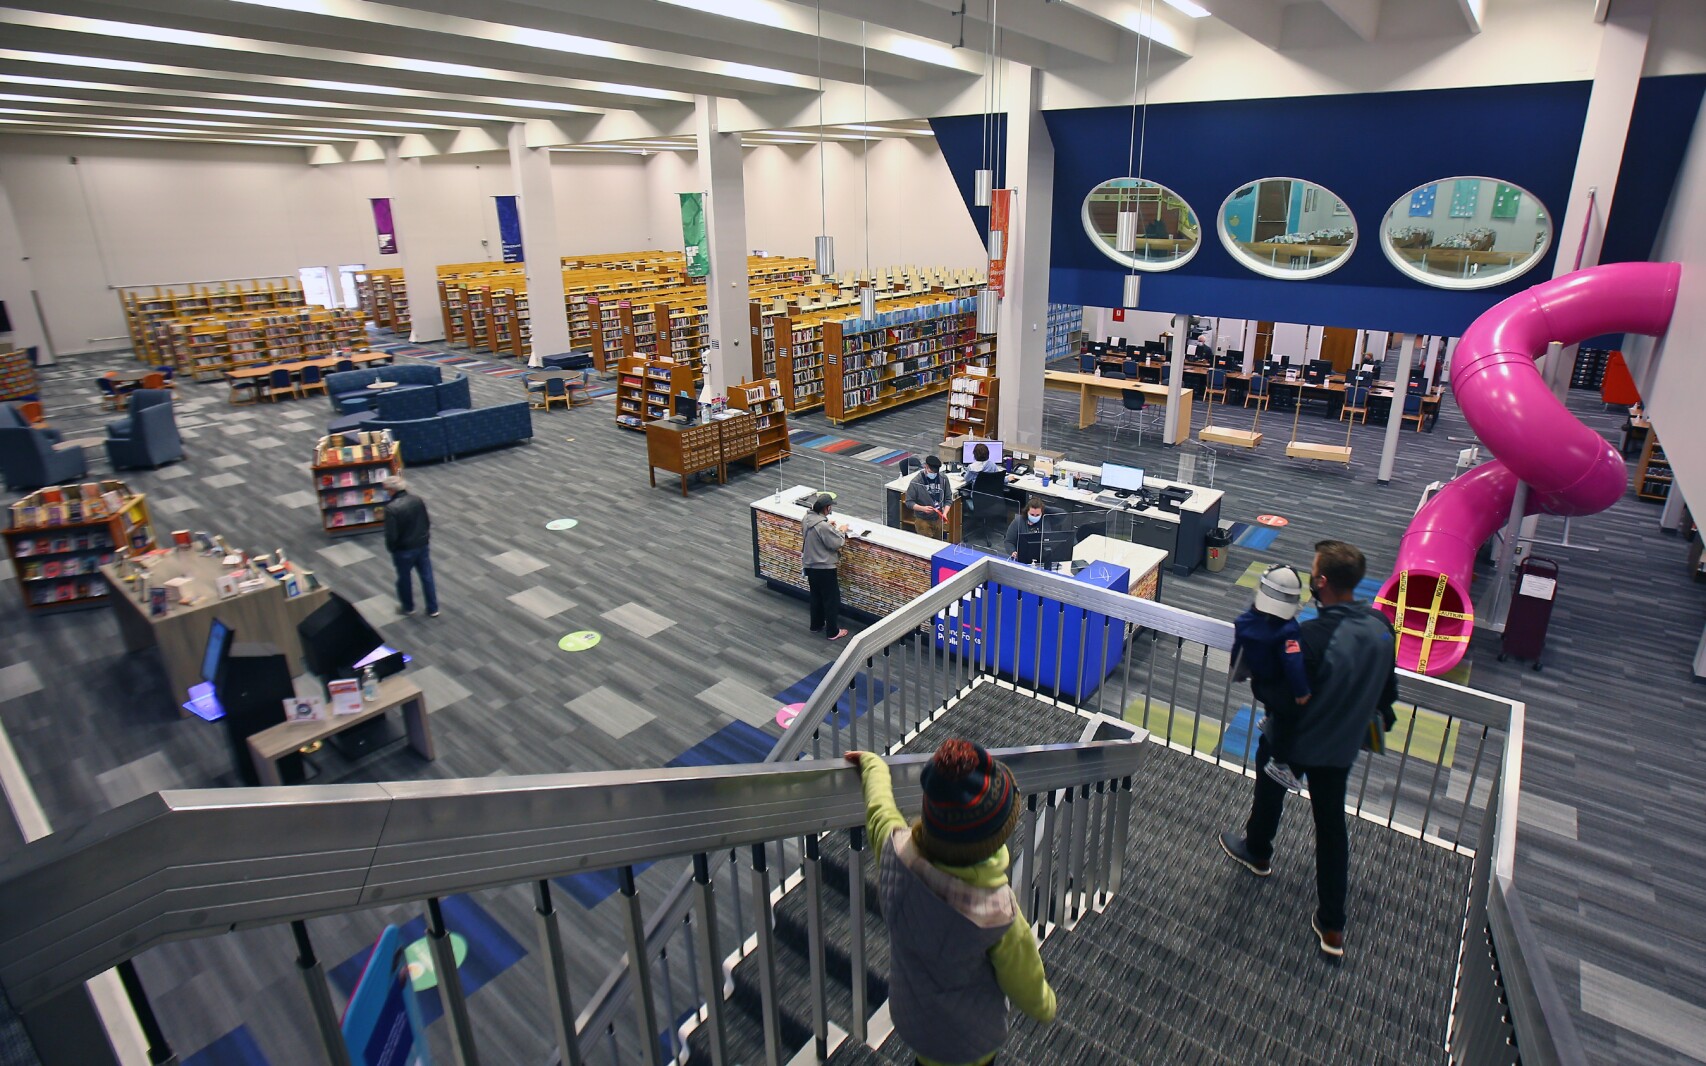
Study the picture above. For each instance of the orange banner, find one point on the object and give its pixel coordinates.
(1000, 211)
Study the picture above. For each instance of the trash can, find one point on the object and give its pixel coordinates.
(1218, 541)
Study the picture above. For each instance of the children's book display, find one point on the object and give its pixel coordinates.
(349, 478)
(59, 537)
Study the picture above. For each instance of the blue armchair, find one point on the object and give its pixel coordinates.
(31, 458)
(148, 437)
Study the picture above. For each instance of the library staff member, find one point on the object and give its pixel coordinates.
(1034, 522)
(927, 498)
(981, 463)
(820, 554)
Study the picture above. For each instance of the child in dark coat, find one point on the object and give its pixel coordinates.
(1267, 650)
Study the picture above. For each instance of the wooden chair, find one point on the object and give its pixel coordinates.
(111, 398)
(312, 379)
(33, 414)
(154, 381)
(1258, 392)
(1356, 403)
(578, 385)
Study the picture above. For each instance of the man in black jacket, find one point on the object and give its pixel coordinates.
(407, 533)
(1350, 655)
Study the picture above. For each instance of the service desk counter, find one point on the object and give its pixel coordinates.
(881, 568)
(1182, 534)
(1037, 640)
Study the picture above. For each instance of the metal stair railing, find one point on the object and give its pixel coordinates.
(188, 864)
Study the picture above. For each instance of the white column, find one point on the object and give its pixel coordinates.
(17, 286)
(1616, 77)
(1176, 376)
(1434, 345)
(1395, 420)
(536, 203)
(1450, 351)
(1021, 337)
(730, 321)
(413, 221)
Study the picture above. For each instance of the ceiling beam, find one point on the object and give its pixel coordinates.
(1036, 34)
(1259, 20)
(1471, 12)
(1362, 16)
(1164, 25)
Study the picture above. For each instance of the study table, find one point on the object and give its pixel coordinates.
(1287, 390)
(265, 614)
(249, 376)
(1092, 389)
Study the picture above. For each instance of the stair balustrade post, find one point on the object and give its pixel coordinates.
(450, 987)
(856, 918)
(640, 966)
(1122, 827)
(710, 957)
(1085, 820)
(813, 864)
(160, 1051)
(770, 1010)
(1044, 913)
(556, 975)
(319, 997)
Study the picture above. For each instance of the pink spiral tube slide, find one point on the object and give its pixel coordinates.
(1570, 469)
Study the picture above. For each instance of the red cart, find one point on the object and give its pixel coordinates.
(1531, 610)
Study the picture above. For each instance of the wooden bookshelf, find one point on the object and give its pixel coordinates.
(384, 299)
(60, 536)
(210, 345)
(645, 389)
(348, 472)
(799, 363)
(148, 315)
(1652, 472)
(17, 376)
(972, 398)
(908, 352)
(763, 398)
(479, 313)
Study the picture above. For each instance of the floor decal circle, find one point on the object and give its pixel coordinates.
(1272, 520)
(418, 957)
(562, 523)
(786, 713)
(580, 641)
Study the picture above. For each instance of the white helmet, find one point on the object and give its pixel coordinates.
(1280, 592)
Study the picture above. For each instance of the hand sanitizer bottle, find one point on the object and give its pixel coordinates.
(369, 684)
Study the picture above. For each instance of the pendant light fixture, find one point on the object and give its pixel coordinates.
(1125, 236)
(824, 246)
(868, 292)
(983, 181)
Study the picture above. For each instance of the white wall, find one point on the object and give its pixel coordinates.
(153, 213)
(1671, 370)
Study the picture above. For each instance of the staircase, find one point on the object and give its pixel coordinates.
(1193, 960)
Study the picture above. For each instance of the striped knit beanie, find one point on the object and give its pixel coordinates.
(971, 804)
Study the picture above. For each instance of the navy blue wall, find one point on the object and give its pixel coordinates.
(1369, 149)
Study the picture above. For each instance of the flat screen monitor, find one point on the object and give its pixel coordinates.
(685, 406)
(1155, 347)
(1118, 478)
(1098, 348)
(970, 447)
(335, 637)
(1050, 547)
(219, 637)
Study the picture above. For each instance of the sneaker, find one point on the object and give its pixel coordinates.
(432, 614)
(406, 611)
(1332, 941)
(1281, 774)
(1234, 846)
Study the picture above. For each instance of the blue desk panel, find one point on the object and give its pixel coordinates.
(1033, 635)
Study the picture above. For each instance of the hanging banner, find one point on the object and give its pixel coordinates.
(383, 226)
(1000, 207)
(693, 234)
(509, 228)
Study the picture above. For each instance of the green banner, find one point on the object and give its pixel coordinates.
(693, 234)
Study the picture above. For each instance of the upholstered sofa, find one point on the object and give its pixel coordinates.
(405, 402)
(453, 433)
(349, 390)
(147, 436)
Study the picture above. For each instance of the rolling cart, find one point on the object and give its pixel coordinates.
(1530, 611)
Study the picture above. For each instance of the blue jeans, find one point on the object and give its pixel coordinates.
(415, 559)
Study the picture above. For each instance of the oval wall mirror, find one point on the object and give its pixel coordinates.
(1166, 233)
(1466, 233)
(1287, 228)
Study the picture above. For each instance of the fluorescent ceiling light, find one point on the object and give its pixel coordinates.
(180, 121)
(17, 80)
(1187, 7)
(192, 138)
(146, 129)
(895, 131)
(369, 88)
(77, 101)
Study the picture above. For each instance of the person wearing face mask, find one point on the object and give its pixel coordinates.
(1025, 532)
(927, 498)
(981, 462)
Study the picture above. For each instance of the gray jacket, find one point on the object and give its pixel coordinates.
(945, 999)
(820, 544)
(919, 494)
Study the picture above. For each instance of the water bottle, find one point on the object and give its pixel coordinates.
(369, 684)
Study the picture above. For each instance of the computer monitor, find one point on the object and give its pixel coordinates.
(1047, 546)
(1155, 347)
(967, 456)
(1117, 478)
(685, 406)
(1235, 354)
(1318, 370)
(219, 637)
(1098, 348)
(335, 637)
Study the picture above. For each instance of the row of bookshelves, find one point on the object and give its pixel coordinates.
(1065, 321)
(142, 311)
(972, 398)
(209, 346)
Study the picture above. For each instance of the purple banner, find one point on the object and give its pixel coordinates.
(383, 226)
